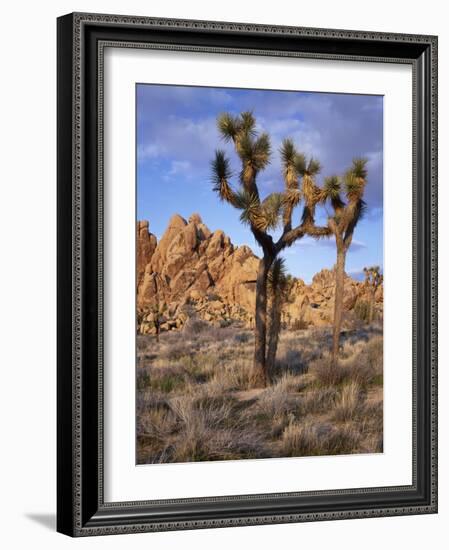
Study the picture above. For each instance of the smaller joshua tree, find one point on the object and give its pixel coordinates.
(373, 280)
(158, 311)
(342, 223)
(278, 286)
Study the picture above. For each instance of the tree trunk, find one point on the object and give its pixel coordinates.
(371, 306)
(260, 330)
(338, 305)
(273, 333)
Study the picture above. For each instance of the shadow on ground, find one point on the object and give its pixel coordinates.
(46, 520)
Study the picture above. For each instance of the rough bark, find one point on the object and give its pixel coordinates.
(260, 331)
(338, 305)
(273, 333)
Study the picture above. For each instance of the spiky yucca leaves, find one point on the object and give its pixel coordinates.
(221, 173)
(261, 216)
(290, 160)
(311, 192)
(254, 151)
(331, 191)
(278, 283)
(278, 277)
(228, 126)
(252, 214)
(355, 179)
(271, 208)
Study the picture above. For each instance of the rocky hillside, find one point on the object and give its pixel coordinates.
(194, 273)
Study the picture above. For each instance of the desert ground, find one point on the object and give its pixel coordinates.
(196, 400)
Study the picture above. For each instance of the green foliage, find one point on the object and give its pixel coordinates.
(332, 187)
(221, 169)
(359, 167)
(288, 151)
(228, 126)
(277, 277)
(300, 163)
(313, 167)
(168, 383)
(271, 210)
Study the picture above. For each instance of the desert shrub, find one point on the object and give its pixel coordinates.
(143, 379)
(292, 361)
(175, 351)
(348, 402)
(361, 310)
(374, 414)
(193, 327)
(210, 431)
(141, 342)
(360, 363)
(242, 337)
(168, 382)
(310, 439)
(317, 400)
(374, 354)
(157, 423)
(275, 400)
(232, 375)
(325, 373)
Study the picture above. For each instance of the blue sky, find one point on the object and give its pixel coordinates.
(177, 137)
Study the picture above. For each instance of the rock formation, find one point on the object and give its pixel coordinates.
(196, 273)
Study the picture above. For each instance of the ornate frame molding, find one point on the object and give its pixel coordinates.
(81, 510)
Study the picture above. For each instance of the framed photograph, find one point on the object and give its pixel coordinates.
(247, 278)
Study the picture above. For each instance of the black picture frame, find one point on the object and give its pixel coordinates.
(81, 510)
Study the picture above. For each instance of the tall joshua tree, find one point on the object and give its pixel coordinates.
(278, 283)
(263, 215)
(347, 213)
(373, 280)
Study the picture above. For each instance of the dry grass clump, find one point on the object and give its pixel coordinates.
(325, 373)
(312, 439)
(161, 380)
(361, 363)
(279, 398)
(196, 399)
(291, 360)
(348, 402)
(157, 423)
(208, 429)
(317, 400)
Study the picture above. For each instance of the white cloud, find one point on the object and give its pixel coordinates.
(149, 151)
(177, 167)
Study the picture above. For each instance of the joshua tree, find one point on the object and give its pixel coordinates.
(263, 215)
(346, 216)
(278, 284)
(158, 311)
(373, 280)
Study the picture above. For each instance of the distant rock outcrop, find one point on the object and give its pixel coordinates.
(197, 273)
